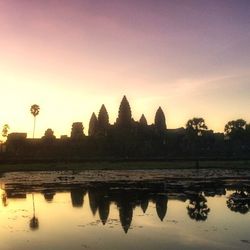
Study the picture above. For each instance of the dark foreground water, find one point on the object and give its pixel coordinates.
(125, 210)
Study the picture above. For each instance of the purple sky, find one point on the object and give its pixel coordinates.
(192, 57)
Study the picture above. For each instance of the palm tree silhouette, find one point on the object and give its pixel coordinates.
(34, 223)
(34, 109)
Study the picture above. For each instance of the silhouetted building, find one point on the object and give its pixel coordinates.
(93, 200)
(160, 121)
(144, 205)
(128, 138)
(64, 137)
(124, 116)
(103, 121)
(126, 215)
(93, 125)
(77, 197)
(49, 135)
(161, 204)
(143, 122)
(15, 194)
(104, 209)
(77, 131)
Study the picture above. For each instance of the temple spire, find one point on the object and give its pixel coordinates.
(160, 121)
(103, 119)
(143, 120)
(124, 116)
(93, 123)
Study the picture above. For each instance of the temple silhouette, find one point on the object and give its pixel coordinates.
(130, 139)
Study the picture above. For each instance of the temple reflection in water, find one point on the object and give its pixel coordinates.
(127, 196)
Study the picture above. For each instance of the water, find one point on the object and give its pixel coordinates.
(124, 210)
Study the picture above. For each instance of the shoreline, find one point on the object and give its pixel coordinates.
(124, 165)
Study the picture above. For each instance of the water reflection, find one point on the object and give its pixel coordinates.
(197, 208)
(161, 205)
(134, 214)
(34, 222)
(77, 195)
(48, 195)
(239, 201)
(128, 196)
(3, 196)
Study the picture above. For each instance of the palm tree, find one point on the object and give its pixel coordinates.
(34, 109)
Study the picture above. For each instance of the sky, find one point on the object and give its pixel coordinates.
(191, 57)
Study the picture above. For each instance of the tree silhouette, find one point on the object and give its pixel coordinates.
(93, 125)
(248, 134)
(103, 120)
(124, 116)
(237, 135)
(34, 109)
(235, 129)
(5, 130)
(248, 128)
(196, 126)
(160, 121)
(197, 208)
(239, 201)
(195, 131)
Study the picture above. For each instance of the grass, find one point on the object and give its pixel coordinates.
(105, 165)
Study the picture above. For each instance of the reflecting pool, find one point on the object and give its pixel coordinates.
(124, 210)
